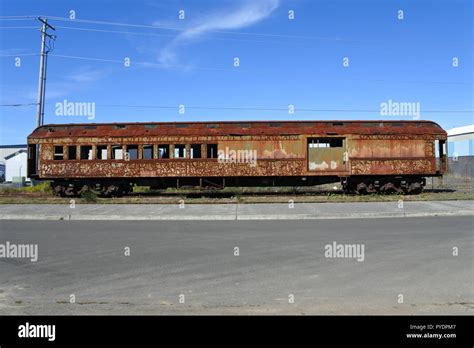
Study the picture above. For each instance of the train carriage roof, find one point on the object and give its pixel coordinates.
(277, 127)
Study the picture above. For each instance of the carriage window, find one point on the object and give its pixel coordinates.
(195, 151)
(116, 152)
(101, 152)
(58, 153)
(72, 152)
(131, 152)
(86, 152)
(147, 152)
(179, 151)
(324, 142)
(163, 151)
(211, 150)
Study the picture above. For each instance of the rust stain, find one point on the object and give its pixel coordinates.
(281, 147)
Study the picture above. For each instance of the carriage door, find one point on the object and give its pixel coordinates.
(326, 154)
(440, 154)
(32, 164)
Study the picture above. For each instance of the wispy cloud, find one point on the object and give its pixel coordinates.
(68, 85)
(87, 76)
(247, 14)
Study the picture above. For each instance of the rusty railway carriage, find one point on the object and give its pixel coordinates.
(365, 156)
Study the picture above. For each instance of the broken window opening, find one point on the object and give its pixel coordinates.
(195, 151)
(163, 151)
(116, 152)
(131, 152)
(72, 152)
(101, 152)
(147, 152)
(86, 152)
(211, 150)
(179, 151)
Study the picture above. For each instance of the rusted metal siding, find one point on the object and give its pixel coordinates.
(280, 151)
(267, 147)
(392, 148)
(392, 166)
(168, 168)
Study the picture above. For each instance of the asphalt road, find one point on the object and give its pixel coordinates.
(412, 257)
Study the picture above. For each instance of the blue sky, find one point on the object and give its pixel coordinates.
(283, 62)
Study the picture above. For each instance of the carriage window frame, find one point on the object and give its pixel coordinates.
(58, 156)
(98, 152)
(128, 149)
(193, 149)
(148, 147)
(166, 151)
(212, 151)
(82, 153)
(181, 151)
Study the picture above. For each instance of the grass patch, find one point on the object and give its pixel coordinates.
(89, 196)
(44, 187)
(141, 189)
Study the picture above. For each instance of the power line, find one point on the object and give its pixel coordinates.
(177, 29)
(24, 18)
(18, 28)
(158, 35)
(190, 67)
(16, 105)
(88, 21)
(268, 109)
(18, 17)
(19, 55)
(149, 64)
(224, 108)
(159, 27)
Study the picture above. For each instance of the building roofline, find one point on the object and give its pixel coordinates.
(13, 146)
(15, 154)
(469, 129)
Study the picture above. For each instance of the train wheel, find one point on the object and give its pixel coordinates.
(59, 190)
(415, 188)
(390, 187)
(362, 188)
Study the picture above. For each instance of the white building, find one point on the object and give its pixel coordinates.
(6, 150)
(461, 141)
(15, 165)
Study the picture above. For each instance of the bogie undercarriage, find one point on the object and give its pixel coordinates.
(384, 184)
(351, 185)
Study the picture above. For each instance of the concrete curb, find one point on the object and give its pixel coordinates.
(230, 217)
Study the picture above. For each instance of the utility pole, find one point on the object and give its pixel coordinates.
(42, 71)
